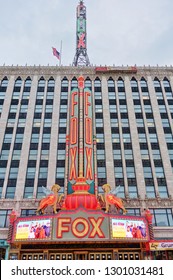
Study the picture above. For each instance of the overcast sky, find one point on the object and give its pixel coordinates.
(120, 32)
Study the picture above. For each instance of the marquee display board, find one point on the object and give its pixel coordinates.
(33, 229)
(129, 228)
(80, 225)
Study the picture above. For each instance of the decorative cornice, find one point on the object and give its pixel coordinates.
(128, 203)
(25, 71)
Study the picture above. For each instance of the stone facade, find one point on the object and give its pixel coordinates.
(58, 73)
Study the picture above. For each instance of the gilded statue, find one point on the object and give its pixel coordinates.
(51, 199)
(109, 198)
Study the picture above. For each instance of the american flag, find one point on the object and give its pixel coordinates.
(56, 53)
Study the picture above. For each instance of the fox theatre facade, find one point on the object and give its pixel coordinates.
(80, 228)
(79, 235)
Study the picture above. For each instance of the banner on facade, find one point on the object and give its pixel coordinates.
(159, 246)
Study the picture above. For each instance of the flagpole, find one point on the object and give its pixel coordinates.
(60, 53)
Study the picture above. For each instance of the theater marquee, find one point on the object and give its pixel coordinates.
(80, 225)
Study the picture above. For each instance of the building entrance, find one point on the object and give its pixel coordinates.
(78, 255)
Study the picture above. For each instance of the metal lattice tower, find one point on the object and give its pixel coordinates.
(81, 57)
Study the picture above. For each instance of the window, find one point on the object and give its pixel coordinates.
(159, 172)
(46, 138)
(19, 138)
(47, 122)
(16, 154)
(153, 138)
(121, 192)
(4, 154)
(117, 154)
(17, 85)
(142, 138)
(133, 211)
(126, 138)
(147, 172)
(2, 172)
(64, 87)
(118, 172)
(28, 212)
(97, 85)
(112, 97)
(29, 187)
(162, 217)
(61, 155)
(150, 191)
(43, 172)
(41, 85)
(132, 188)
(100, 154)
(134, 85)
(41, 182)
(130, 172)
(35, 138)
(13, 173)
(4, 85)
(31, 172)
(100, 138)
(156, 83)
(135, 95)
(116, 138)
(60, 172)
(51, 85)
(163, 192)
(7, 138)
(120, 84)
(101, 172)
(74, 83)
(4, 218)
(11, 187)
(128, 154)
(88, 83)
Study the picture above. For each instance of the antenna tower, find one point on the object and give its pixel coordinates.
(81, 57)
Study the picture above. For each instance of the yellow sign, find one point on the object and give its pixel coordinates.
(161, 246)
(22, 231)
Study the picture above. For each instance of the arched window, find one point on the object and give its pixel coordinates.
(51, 85)
(74, 83)
(120, 82)
(28, 82)
(41, 82)
(4, 85)
(156, 82)
(144, 86)
(51, 82)
(18, 82)
(88, 83)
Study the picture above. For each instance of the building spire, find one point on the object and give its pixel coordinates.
(81, 58)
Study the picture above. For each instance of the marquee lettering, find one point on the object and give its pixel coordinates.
(73, 166)
(62, 227)
(73, 102)
(73, 131)
(87, 103)
(96, 227)
(85, 227)
(81, 41)
(80, 227)
(88, 131)
(89, 174)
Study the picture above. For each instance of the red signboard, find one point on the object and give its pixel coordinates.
(130, 69)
